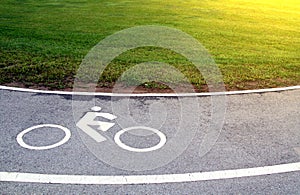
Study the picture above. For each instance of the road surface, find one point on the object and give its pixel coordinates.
(257, 150)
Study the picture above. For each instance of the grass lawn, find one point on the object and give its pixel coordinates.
(255, 43)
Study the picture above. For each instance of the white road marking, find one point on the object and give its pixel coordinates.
(89, 119)
(61, 142)
(148, 179)
(161, 143)
(152, 94)
(96, 108)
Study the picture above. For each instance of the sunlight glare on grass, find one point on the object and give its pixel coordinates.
(255, 43)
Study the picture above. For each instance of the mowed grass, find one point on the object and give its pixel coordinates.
(255, 43)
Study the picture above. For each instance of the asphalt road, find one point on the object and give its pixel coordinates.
(258, 130)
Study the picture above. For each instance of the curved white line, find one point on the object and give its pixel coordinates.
(151, 94)
(148, 179)
(161, 136)
(61, 142)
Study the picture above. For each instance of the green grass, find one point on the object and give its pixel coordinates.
(255, 43)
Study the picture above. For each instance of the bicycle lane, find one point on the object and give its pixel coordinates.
(259, 130)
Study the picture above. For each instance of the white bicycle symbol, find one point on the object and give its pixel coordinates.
(85, 124)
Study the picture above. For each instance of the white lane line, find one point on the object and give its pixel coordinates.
(152, 94)
(148, 179)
